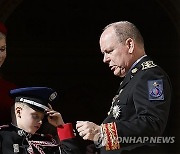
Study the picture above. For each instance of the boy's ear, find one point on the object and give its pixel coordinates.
(18, 111)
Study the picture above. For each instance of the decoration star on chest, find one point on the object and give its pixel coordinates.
(116, 111)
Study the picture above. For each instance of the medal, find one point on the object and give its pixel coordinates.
(116, 111)
(16, 148)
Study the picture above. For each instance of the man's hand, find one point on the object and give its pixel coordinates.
(54, 117)
(88, 130)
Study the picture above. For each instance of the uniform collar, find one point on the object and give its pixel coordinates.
(21, 132)
(134, 69)
(137, 61)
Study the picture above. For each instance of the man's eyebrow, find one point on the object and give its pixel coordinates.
(108, 50)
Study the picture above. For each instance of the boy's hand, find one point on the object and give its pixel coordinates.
(54, 117)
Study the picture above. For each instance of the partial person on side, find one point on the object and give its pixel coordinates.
(5, 85)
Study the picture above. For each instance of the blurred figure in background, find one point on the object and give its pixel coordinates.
(5, 86)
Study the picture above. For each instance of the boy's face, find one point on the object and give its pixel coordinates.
(29, 119)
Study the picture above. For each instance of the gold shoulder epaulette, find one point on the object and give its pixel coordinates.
(147, 65)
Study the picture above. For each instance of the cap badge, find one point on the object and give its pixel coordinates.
(53, 96)
(116, 111)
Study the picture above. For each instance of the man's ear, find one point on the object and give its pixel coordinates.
(18, 111)
(130, 45)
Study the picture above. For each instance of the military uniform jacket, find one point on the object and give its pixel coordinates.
(16, 141)
(140, 108)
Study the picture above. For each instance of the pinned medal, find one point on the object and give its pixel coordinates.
(155, 88)
(116, 111)
(113, 101)
(16, 148)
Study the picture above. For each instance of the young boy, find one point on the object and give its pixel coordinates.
(31, 106)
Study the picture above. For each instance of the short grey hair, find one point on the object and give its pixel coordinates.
(125, 30)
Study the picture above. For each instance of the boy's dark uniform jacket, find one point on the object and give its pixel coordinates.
(140, 108)
(16, 141)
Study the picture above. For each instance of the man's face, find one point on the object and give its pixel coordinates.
(115, 53)
(2, 51)
(30, 120)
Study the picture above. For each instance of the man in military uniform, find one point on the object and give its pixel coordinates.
(141, 106)
(31, 106)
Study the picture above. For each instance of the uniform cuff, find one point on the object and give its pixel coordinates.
(110, 136)
(65, 131)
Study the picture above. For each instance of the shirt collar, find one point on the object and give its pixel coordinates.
(137, 61)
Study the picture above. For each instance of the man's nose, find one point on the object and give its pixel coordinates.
(106, 58)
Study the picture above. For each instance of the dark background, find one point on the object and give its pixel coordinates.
(56, 44)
